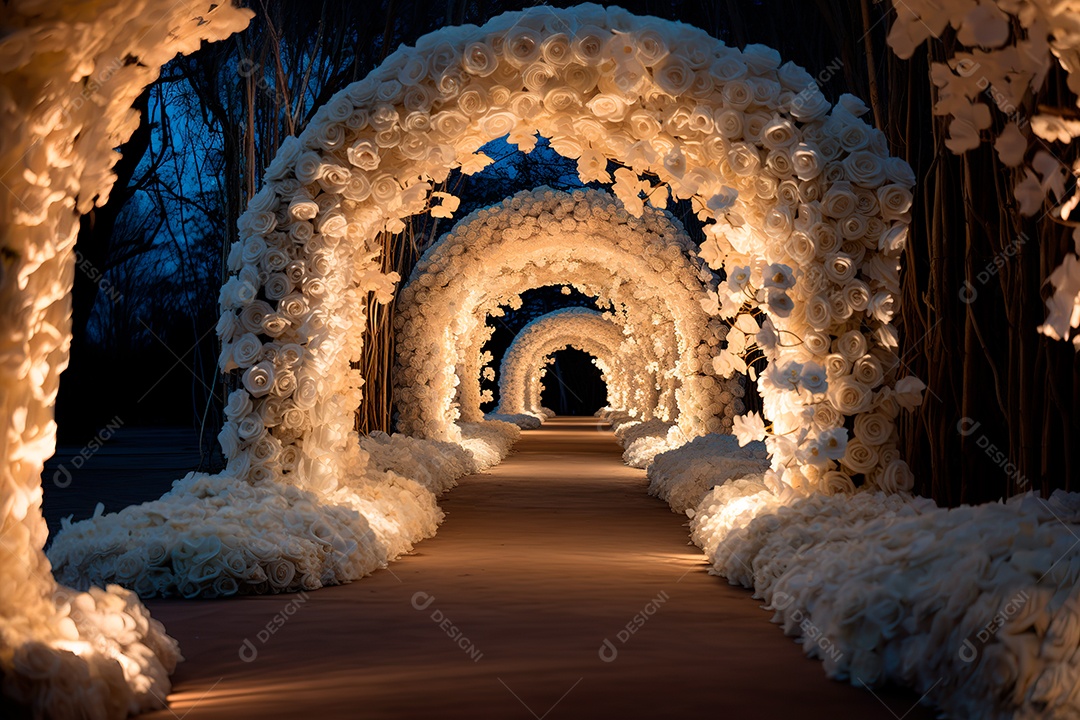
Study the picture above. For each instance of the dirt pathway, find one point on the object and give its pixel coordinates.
(505, 613)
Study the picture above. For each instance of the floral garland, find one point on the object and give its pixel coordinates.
(630, 384)
(803, 205)
(67, 93)
(1010, 46)
(543, 237)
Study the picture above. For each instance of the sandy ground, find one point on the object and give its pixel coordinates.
(505, 614)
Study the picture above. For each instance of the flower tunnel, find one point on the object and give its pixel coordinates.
(643, 267)
(631, 386)
(802, 206)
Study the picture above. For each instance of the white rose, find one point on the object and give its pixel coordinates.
(836, 366)
(729, 123)
(285, 159)
(853, 227)
(737, 94)
(806, 161)
(848, 395)
(867, 370)
(246, 350)
(364, 154)
(479, 59)
(839, 200)
(229, 439)
(852, 345)
(882, 306)
(839, 268)
(899, 172)
(896, 477)
(801, 247)
(826, 417)
(608, 107)
(838, 304)
(728, 66)
(766, 91)
(302, 207)
(860, 457)
(227, 326)
(744, 159)
(794, 78)
(779, 163)
(760, 59)
(864, 168)
(818, 312)
(874, 429)
(258, 379)
(673, 75)
(816, 341)
(250, 426)
(277, 286)
(809, 104)
(895, 201)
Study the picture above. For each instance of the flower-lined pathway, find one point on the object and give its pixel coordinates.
(556, 588)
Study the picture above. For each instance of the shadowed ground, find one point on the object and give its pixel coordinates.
(538, 563)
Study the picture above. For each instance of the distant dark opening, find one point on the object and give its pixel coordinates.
(572, 385)
(534, 303)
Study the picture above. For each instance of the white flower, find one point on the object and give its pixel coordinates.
(479, 59)
(909, 392)
(859, 457)
(748, 428)
(779, 304)
(829, 446)
(738, 277)
(896, 477)
(848, 396)
(864, 168)
(259, 378)
(778, 275)
(852, 345)
(246, 349)
(723, 200)
(364, 154)
(813, 378)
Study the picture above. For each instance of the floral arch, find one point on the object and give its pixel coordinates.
(630, 385)
(642, 267)
(802, 202)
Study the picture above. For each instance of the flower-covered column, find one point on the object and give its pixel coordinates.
(67, 90)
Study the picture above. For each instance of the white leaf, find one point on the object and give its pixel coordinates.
(1011, 145)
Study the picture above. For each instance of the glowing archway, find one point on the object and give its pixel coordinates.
(630, 385)
(642, 266)
(804, 206)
